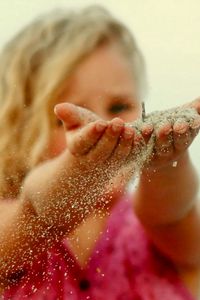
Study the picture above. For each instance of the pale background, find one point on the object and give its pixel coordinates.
(168, 32)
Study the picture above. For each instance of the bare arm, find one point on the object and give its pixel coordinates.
(38, 218)
(168, 209)
(166, 200)
(21, 237)
(60, 193)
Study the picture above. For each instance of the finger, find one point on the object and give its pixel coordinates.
(180, 126)
(195, 124)
(124, 146)
(181, 134)
(108, 141)
(74, 116)
(164, 140)
(136, 155)
(85, 139)
(146, 130)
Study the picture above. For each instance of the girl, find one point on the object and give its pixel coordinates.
(67, 229)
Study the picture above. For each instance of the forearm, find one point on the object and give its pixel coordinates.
(166, 203)
(22, 238)
(43, 215)
(47, 189)
(167, 194)
(63, 192)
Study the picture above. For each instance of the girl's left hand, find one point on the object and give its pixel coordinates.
(173, 137)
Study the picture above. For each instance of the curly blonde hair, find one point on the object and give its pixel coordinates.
(33, 67)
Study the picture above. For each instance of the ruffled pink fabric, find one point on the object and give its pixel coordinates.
(124, 266)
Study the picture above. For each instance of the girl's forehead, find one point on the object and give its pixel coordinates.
(105, 74)
(100, 96)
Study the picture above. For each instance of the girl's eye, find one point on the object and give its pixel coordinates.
(118, 107)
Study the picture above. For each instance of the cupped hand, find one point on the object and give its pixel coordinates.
(174, 131)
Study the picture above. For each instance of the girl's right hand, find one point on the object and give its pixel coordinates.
(92, 140)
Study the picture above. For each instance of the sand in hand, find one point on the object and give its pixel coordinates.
(144, 151)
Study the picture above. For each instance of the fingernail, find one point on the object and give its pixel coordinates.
(147, 129)
(101, 126)
(181, 129)
(128, 134)
(167, 131)
(56, 108)
(116, 127)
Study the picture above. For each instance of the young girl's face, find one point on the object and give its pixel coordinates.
(103, 83)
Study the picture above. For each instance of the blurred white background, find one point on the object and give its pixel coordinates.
(168, 32)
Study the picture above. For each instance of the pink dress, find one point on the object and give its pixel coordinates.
(124, 266)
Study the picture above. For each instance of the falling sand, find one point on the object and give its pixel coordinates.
(86, 192)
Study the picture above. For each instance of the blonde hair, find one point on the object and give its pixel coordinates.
(33, 66)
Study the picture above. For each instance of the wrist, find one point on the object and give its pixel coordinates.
(168, 193)
(171, 165)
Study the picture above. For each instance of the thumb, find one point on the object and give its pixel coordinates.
(73, 116)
